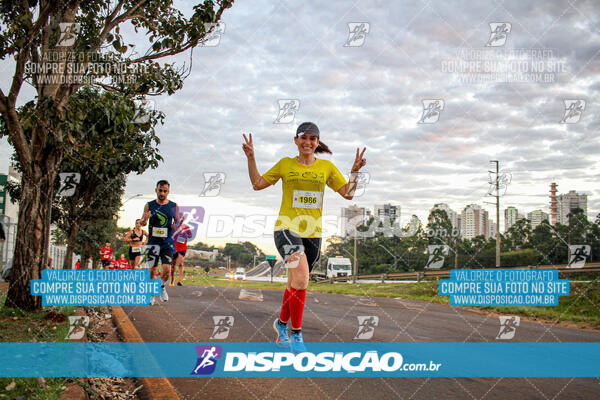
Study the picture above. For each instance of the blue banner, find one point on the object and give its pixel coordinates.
(95, 287)
(373, 359)
(504, 287)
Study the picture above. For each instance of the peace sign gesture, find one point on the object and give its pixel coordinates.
(248, 147)
(359, 161)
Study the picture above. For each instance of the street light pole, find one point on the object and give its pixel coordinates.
(355, 260)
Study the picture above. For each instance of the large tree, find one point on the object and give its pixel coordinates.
(57, 47)
(114, 148)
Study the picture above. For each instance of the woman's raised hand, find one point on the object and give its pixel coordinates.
(248, 147)
(359, 161)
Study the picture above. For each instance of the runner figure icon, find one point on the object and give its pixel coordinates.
(366, 327)
(499, 34)
(207, 359)
(579, 255)
(222, 327)
(508, 327)
(573, 111)
(212, 183)
(68, 183)
(431, 111)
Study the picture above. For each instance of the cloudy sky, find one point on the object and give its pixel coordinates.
(370, 93)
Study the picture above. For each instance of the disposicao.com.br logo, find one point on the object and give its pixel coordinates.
(327, 363)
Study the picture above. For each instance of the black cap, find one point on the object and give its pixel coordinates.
(307, 127)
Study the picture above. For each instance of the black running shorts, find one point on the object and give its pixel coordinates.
(288, 242)
(156, 253)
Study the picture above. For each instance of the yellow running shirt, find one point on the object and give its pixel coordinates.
(303, 189)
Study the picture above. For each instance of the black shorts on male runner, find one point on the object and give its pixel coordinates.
(288, 242)
(156, 253)
(105, 263)
(181, 253)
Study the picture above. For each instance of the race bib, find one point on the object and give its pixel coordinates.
(181, 239)
(159, 232)
(307, 199)
(136, 249)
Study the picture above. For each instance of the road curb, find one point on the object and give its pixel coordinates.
(153, 388)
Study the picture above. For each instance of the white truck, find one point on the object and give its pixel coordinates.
(240, 274)
(338, 266)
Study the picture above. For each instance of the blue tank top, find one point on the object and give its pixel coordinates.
(161, 222)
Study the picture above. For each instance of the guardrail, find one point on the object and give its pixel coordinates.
(424, 275)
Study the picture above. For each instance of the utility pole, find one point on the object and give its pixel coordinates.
(569, 240)
(497, 211)
(355, 260)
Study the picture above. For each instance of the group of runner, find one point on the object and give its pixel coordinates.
(166, 242)
(109, 261)
(297, 231)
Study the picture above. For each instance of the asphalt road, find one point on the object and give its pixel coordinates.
(187, 317)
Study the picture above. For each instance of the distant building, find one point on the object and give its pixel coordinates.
(386, 210)
(553, 203)
(511, 215)
(452, 215)
(568, 202)
(9, 214)
(352, 217)
(536, 217)
(474, 220)
(7, 208)
(491, 230)
(211, 255)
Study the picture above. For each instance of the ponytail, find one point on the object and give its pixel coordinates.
(322, 148)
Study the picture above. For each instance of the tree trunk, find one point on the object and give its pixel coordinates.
(33, 228)
(73, 231)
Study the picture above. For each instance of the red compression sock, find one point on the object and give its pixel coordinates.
(296, 301)
(285, 307)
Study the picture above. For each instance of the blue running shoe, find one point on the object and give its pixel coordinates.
(283, 339)
(297, 343)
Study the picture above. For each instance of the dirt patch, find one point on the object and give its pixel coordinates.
(55, 317)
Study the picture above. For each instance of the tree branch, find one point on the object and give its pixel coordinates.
(3, 103)
(184, 47)
(112, 21)
(23, 55)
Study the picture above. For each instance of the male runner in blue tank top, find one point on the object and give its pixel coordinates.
(161, 215)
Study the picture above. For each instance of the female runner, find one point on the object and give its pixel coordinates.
(135, 237)
(298, 227)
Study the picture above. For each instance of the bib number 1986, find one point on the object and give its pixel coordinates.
(307, 199)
